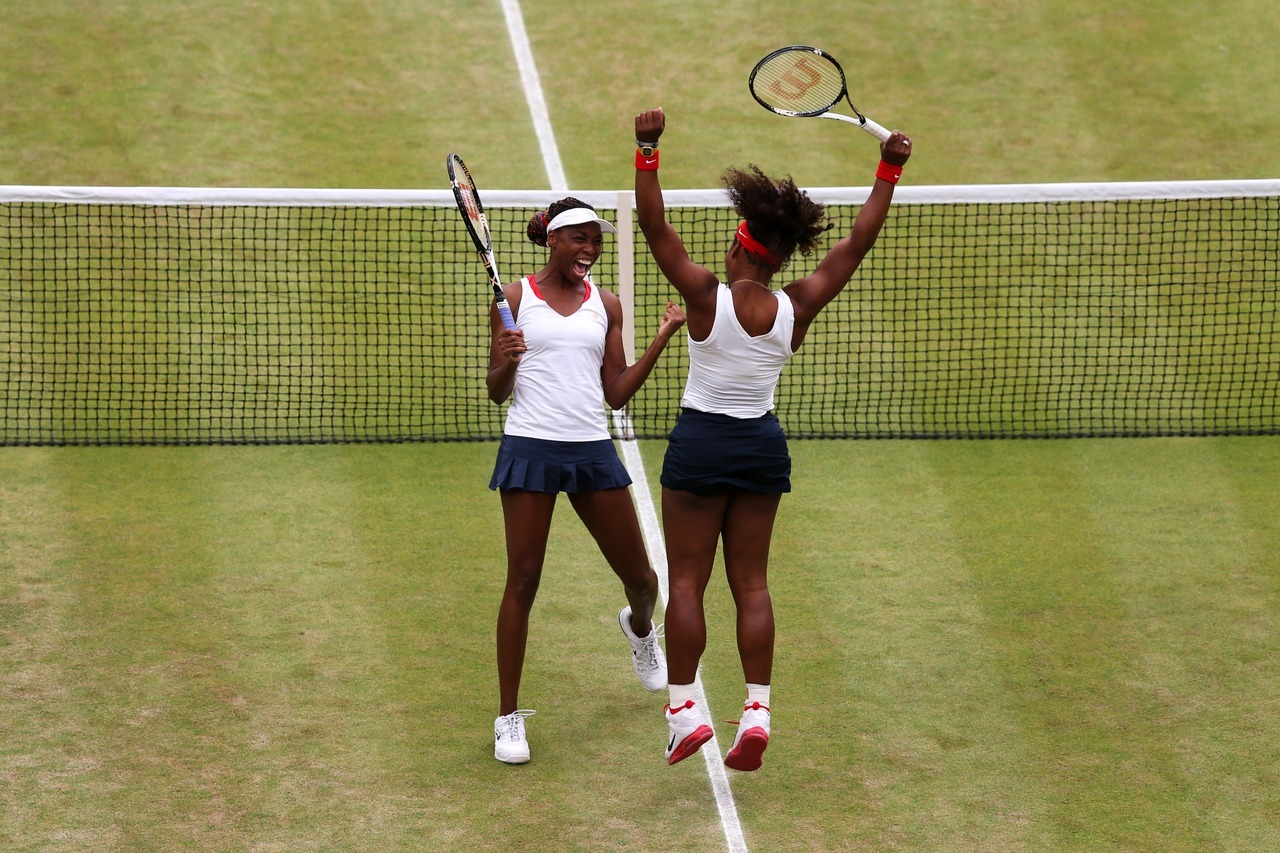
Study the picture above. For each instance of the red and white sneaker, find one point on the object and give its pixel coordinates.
(753, 736)
(689, 731)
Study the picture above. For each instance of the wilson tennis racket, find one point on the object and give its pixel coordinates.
(468, 198)
(806, 82)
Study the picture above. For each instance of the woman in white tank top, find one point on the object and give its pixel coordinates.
(560, 366)
(727, 463)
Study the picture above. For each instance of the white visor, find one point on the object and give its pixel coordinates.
(579, 216)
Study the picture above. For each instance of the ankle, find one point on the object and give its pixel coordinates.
(682, 693)
(758, 693)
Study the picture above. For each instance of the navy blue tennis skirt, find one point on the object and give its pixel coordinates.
(708, 454)
(538, 465)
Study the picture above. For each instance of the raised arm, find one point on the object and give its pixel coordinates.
(812, 293)
(695, 283)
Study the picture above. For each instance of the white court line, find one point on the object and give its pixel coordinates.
(630, 449)
(533, 94)
(658, 556)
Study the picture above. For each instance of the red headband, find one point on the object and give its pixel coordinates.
(755, 247)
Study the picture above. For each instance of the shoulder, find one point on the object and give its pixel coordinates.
(513, 290)
(608, 297)
(805, 298)
(612, 305)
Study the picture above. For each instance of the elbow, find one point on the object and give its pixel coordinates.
(498, 394)
(617, 395)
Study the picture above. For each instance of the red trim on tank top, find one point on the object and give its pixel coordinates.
(533, 282)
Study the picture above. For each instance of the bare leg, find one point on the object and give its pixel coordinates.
(748, 531)
(610, 517)
(692, 529)
(527, 520)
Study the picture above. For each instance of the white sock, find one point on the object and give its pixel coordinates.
(758, 693)
(680, 693)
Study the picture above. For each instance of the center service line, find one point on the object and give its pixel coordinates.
(622, 424)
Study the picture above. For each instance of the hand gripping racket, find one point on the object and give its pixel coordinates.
(804, 81)
(468, 197)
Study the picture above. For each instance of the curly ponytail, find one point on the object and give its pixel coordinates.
(779, 214)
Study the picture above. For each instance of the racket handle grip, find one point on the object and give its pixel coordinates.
(504, 311)
(878, 131)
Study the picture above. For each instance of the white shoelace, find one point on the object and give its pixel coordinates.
(650, 649)
(512, 727)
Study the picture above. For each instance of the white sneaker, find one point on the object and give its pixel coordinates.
(646, 654)
(689, 731)
(510, 744)
(753, 736)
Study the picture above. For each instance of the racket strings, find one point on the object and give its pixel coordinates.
(798, 82)
(464, 190)
(469, 204)
(469, 201)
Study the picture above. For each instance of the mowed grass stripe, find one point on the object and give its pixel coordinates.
(227, 671)
(46, 755)
(1059, 611)
(142, 711)
(206, 600)
(1196, 539)
(313, 673)
(1249, 803)
(891, 707)
(369, 678)
(330, 93)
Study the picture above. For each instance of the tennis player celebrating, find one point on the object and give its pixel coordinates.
(727, 462)
(560, 365)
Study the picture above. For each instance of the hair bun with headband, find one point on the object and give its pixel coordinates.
(569, 211)
(537, 230)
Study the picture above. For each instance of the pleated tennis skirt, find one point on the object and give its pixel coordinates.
(539, 465)
(708, 454)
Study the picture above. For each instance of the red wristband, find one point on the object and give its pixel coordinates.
(647, 164)
(889, 172)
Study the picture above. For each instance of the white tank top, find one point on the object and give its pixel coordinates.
(733, 373)
(558, 393)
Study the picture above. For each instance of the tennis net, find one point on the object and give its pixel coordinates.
(183, 316)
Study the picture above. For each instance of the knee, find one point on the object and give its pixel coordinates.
(748, 596)
(689, 592)
(522, 587)
(642, 580)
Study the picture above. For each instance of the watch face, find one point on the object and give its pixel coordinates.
(646, 150)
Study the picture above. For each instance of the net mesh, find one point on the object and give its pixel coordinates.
(256, 322)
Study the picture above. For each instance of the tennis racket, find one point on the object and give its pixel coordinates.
(468, 198)
(806, 82)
